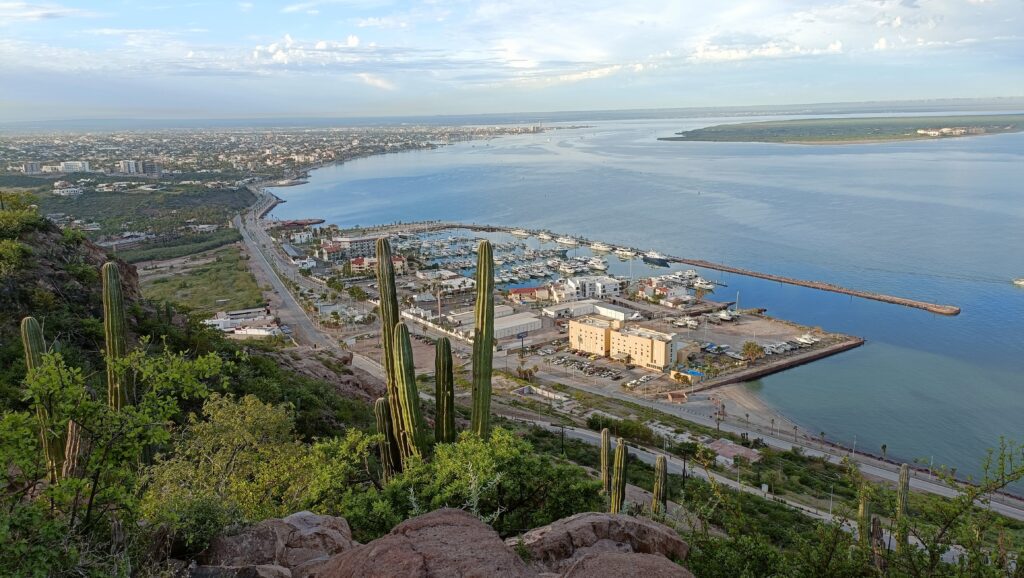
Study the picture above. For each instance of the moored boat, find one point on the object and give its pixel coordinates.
(655, 258)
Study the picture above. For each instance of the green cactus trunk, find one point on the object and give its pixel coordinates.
(72, 449)
(51, 436)
(864, 521)
(659, 501)
(115, 328)
(389, 318)
(606, 458)
(444, 393)
(618, 497)
(390, 455)
(902, 499)
(483, 340)
(411, 439)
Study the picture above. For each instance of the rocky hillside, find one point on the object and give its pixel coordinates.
(447, 542)
(54, 276)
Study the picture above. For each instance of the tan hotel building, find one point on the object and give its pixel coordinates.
(609, 338)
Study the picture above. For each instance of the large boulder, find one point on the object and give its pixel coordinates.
(561, 544)
(443, 543)
(279, 542)
(617, 565)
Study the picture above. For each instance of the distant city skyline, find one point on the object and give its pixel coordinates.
(350, 58)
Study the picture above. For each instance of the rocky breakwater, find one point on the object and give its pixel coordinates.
(445, 543)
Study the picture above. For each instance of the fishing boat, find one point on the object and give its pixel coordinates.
(655, 258)
(567, 241)
(601, 247)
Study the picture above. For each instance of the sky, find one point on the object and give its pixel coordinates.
(349, 58)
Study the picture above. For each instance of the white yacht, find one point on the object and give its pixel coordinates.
(702, 284)
(1019, 282)
(601, 246)
(597, 263)
(567, 241)
(625, 253)
(544, 236)
(520, 232)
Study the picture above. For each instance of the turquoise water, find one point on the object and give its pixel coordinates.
(940, 221)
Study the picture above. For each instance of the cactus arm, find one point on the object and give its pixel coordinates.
(619, 479)
(444, 398)
(411, 428)
(115, 329)
(483, 340)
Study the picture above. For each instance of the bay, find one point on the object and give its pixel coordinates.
(940, 221)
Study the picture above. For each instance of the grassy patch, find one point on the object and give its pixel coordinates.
(181, 246)
(200, 286)
(158, 211)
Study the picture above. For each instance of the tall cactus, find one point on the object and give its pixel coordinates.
(619, 478)
(389, 318)
(410, 439)
(864, 521)
(444, 393)
(390, 457)
(115, 328)
(659, 501)
(50, 435)
(902, 499)
(483, 340)
(606, 458)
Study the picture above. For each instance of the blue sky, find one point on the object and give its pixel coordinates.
(133, 59)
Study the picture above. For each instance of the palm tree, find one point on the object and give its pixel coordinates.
(773, 426)
(885, 448)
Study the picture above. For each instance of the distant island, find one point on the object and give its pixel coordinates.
(855, 130)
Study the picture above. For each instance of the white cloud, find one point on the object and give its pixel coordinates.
(245, 6)
(375, 81)
(24, 11)
(881, 44)
(352, 41)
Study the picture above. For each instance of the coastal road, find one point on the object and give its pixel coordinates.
(676, 466)
(867, 465)
(305, 330)
(290, 312)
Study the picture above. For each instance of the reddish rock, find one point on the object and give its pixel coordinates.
(617, 565)
(286, 542)
(443, 543)
(559, 545)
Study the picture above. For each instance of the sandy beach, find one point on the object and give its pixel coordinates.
(742, 406)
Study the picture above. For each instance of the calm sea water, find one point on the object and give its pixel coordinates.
(941, 221)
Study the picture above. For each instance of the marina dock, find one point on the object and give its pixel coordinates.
(939, 309)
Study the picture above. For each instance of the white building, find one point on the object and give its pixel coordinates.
(512, 325)
(74, 166)
(587, 287)
(301, 237)
(128, 167)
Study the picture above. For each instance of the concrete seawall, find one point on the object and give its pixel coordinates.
(759, 371)
(822, 286)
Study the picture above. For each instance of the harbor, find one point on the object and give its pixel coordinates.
(658, 259)
(632, 321)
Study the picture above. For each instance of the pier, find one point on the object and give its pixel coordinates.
(427, 226)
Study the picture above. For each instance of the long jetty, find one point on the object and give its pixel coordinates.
(819, 285)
